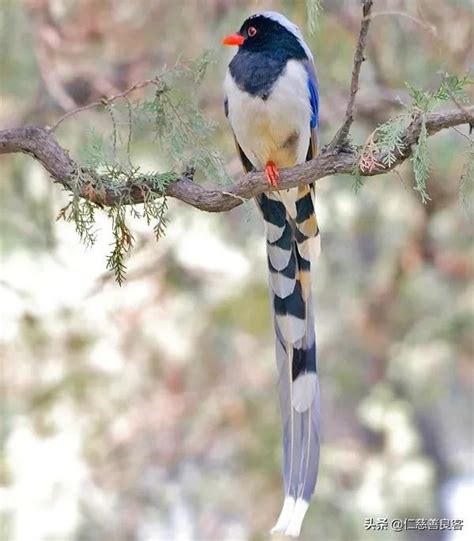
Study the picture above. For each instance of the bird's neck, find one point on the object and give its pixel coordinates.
(255, 72)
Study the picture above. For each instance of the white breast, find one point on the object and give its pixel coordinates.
(263, 126)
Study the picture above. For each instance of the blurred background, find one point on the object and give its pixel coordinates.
(149, 412)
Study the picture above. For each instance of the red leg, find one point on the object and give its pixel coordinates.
(272, 174)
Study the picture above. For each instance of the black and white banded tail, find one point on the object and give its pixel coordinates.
(292, 243)
(272, 103)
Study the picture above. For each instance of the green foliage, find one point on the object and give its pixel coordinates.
(386, 143)
(172, 116)
(313, 10)
(154, 209)
(184, 133)
(357, 177)
(95, 152)
(81, 212)
(198, 67)
(422, 163)
(390, 138)
(123, 241)
(451, 86)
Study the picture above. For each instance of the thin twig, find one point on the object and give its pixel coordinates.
(156, 81)
(459, 105)
(459, 132)
(109, 109)
(130, 130)
(341, 136)
(105, 101)
(428, 26)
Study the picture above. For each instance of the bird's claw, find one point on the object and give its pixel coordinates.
(272, 174)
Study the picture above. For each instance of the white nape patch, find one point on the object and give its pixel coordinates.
(286, 23)
(304, 390)
(261, 127)
(285, 516)
(297, 517)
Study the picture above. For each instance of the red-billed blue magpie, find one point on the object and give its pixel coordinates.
(272, 103)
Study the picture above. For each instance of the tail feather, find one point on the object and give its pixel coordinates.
(283, 282)
(292, 241)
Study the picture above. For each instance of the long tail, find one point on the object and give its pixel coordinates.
(292, 242)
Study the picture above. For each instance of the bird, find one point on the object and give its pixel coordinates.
(271, 101)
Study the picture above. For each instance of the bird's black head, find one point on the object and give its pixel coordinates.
(269, 32)
(267, 42)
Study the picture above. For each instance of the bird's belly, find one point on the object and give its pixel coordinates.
(266, 136)
(276, 129)
(269, 139)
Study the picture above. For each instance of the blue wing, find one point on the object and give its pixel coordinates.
(313, 94)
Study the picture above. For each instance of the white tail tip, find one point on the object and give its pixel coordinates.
(285, 516)
(297, 517)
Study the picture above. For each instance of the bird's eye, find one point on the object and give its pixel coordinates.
(251, 31)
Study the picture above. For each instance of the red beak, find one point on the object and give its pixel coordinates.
(233, 39)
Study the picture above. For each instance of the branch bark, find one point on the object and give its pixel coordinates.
(42, 145)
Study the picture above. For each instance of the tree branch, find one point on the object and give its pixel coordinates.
(337, 157)
(341, 136)
(42, 145)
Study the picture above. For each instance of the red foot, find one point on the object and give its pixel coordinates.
(272, 174)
